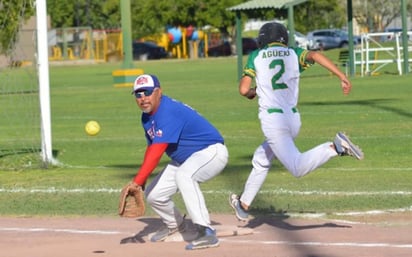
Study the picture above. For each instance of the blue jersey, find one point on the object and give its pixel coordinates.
(177, 124)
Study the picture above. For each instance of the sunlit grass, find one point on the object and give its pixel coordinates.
(377, 116)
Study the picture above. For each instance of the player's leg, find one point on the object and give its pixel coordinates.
(280, 129)
(262, 161)
(297, 163)
(158, 196)
(200, 167)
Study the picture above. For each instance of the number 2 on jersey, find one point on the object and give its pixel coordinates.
(278, 75)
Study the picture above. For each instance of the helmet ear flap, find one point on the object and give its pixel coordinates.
(259, 42)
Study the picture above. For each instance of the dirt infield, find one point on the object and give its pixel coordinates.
(371, 236)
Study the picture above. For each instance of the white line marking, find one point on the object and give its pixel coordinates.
(70, 231)
(342, 193)
(374, 212)
(353, 213)
(343, 244)
(102, 232)
(52, 190)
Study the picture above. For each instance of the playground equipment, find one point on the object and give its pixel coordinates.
(181, 42)
(83, 43)
(108, 45)
(70, 43)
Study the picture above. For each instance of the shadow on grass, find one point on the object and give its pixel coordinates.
(151, 226)
(23, 158)
(19, 159)
(290, 232)
(278, 220)
(11, 152)
(374, 103)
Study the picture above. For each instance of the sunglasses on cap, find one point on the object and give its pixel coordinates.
(140, 94)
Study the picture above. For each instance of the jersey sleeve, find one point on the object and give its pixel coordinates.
(303, 63)
(151, 159)
(249, 69)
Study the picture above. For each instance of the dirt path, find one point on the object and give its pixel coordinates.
(371, 236)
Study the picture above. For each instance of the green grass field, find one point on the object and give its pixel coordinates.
(377, 115)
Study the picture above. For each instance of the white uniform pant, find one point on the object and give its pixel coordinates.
(200, 167)
(280, 130)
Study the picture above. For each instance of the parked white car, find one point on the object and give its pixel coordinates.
(301, 40)
(330, 38)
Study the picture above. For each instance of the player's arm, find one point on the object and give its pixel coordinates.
(151, 159)
(245, 88)
(314, 56)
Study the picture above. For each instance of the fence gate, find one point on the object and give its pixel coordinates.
(380, 49)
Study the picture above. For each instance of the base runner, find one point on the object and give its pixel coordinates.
(276, 69)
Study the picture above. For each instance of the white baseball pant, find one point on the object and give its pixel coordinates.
(280, 130)
(200, 167)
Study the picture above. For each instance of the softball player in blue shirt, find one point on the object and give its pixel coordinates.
(197, 154)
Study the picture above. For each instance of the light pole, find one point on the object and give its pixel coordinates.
(126, 76)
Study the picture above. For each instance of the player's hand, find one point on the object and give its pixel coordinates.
(346, 86)
(251, 93)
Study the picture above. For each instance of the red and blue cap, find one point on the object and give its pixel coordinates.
(145, 82)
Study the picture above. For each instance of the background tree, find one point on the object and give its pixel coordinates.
(154, 16)
(319, 14)
(12, 15)
(376, 15)
(79, 13)
(150, 16)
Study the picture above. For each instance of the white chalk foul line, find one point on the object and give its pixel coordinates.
(280, 191)
(337, 244)
(61, 230)
(300, 243)
(52, 190)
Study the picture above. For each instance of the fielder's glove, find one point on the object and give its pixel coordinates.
(131, 203)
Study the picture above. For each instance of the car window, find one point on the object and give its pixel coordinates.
(151, 44)
(341, 33)
(320, 33)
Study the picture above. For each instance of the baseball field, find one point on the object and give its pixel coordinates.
(322, 214)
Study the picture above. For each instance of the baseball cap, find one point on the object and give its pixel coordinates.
(145, 82)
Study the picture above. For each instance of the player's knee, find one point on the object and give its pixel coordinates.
(260, 164)
(183, 177)
(154, 198)
(150, 199)
(298, 172)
